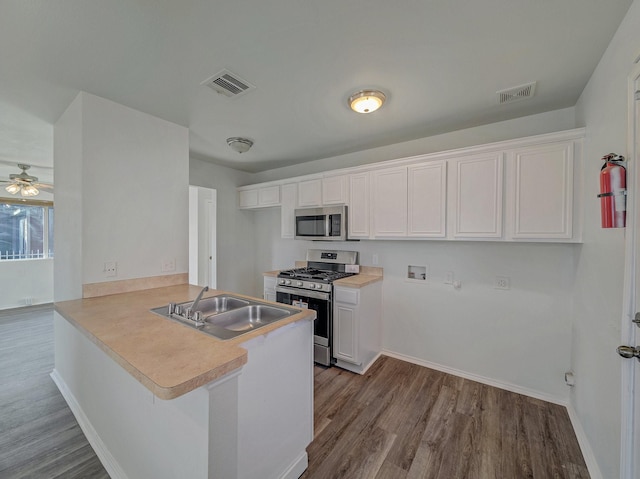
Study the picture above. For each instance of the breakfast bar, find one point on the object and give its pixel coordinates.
(160, 399)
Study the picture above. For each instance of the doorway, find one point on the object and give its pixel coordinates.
(202, 236)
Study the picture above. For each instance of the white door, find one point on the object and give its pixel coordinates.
(202, 236)
(630, 441)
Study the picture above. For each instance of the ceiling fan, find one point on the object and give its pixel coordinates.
(25, 184)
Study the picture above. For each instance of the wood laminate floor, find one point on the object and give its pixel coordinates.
(39, 436)
(399, 421)
(403, 421)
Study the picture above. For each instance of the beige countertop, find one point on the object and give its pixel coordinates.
(357, 280)
(168, 358)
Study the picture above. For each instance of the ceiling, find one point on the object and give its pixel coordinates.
(440, 63)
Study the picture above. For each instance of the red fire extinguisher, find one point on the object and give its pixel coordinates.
(613, 192)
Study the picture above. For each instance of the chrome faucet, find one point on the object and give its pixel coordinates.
(194, 306)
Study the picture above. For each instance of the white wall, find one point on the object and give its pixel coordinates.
(505, 130)
(236, 236)
(25, 282)
(517, 337)
(602, 108)
(121, 194)
(67, 153)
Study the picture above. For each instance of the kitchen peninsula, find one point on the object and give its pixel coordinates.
(158, 399)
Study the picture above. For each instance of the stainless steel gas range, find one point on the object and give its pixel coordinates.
(312, 287)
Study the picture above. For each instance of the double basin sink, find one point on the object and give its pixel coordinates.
(226, 316)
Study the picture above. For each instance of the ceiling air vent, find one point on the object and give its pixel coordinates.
(228, 84)
(516, 93)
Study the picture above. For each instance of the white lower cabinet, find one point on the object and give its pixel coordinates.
(270, 288)
(357, 326)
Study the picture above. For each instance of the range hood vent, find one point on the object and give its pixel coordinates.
(228, 84)
(516, 93)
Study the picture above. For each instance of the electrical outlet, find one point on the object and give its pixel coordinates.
(448, 277)
(168, 265)
(374, 259)
(502, 282)
(110, 269)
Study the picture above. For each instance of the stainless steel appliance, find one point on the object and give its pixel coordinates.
(312, 287)
(324, 224)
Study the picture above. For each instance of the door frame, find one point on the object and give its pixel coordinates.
(630, 412)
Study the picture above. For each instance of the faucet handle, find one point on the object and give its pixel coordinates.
(188, 313)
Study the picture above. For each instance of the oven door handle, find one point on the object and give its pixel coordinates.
(303, 292)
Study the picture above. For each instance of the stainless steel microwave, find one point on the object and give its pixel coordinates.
(321, 224)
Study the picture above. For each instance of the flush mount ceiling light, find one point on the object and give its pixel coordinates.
(366, 101)
(241, 145)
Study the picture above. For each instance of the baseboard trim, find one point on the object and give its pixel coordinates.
(585, 447)
(480, 379)
(583, 441)
(297, 467)
(108, 461)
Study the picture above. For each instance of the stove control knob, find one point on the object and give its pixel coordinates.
(312, 285)
(299, 283)
(281, 281)
(287, 282)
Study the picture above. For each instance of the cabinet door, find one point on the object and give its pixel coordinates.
(335, 190)
(289, 201)
(358, 212)
(248, 198)
(541, 191)
(476, 196)
(310, 193)
(269, 196)
(427, 200)
(270, 288)
(389, 202)
(345, 333)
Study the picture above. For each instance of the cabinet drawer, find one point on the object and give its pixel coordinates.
(347, 295)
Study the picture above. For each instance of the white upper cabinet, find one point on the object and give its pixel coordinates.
(259, 196)
(475, 197)
(389, 202)
(427, 197)
(289, 194)
(335, 190)
(528, 189)
(540, 192)
(310, 193)
(359, 207)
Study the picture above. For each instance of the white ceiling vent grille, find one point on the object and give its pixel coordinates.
(516, 93)
(228, 84)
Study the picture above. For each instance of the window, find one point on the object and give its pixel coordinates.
(26, 229)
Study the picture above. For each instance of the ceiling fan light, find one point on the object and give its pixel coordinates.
(366, 101)
(13, 188)
(29, 190)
